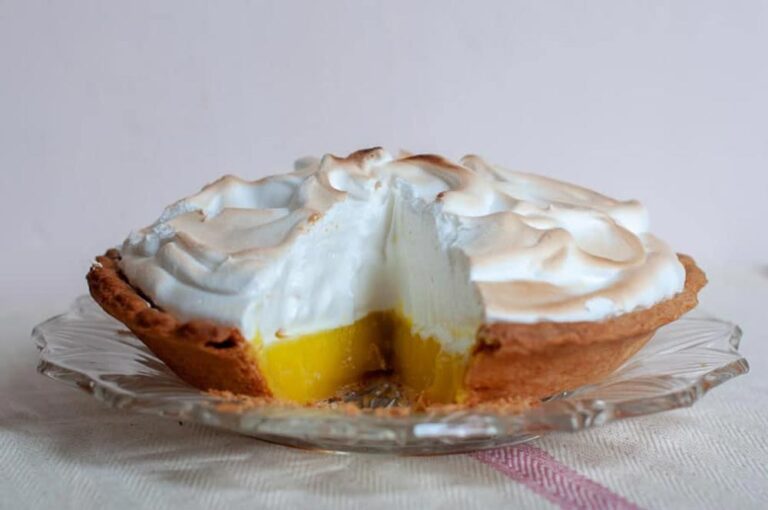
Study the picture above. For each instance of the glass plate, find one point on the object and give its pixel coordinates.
(88, 349)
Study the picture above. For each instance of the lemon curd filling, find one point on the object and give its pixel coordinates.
(316, 366)
(424, 367)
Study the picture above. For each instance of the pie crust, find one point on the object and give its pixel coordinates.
(510, 361)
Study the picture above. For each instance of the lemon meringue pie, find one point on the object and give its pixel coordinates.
(464, 281)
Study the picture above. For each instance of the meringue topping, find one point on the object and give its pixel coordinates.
(449, 245)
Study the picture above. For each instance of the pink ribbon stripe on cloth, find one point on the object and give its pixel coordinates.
(543, 474)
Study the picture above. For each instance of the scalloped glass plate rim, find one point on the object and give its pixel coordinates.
(419, 433)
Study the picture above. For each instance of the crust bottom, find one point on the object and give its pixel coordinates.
(206, 355)
(509, 361)
(538, 360)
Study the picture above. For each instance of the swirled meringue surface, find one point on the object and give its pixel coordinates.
(449, 245)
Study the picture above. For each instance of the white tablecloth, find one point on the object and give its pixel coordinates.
(59, 448)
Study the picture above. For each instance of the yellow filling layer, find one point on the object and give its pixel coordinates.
(424, 367)
(314, 367)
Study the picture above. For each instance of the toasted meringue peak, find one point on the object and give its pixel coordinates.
(451, 244)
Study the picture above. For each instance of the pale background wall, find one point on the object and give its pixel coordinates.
(108, 110)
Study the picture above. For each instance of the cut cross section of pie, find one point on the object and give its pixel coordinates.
(463, 281)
